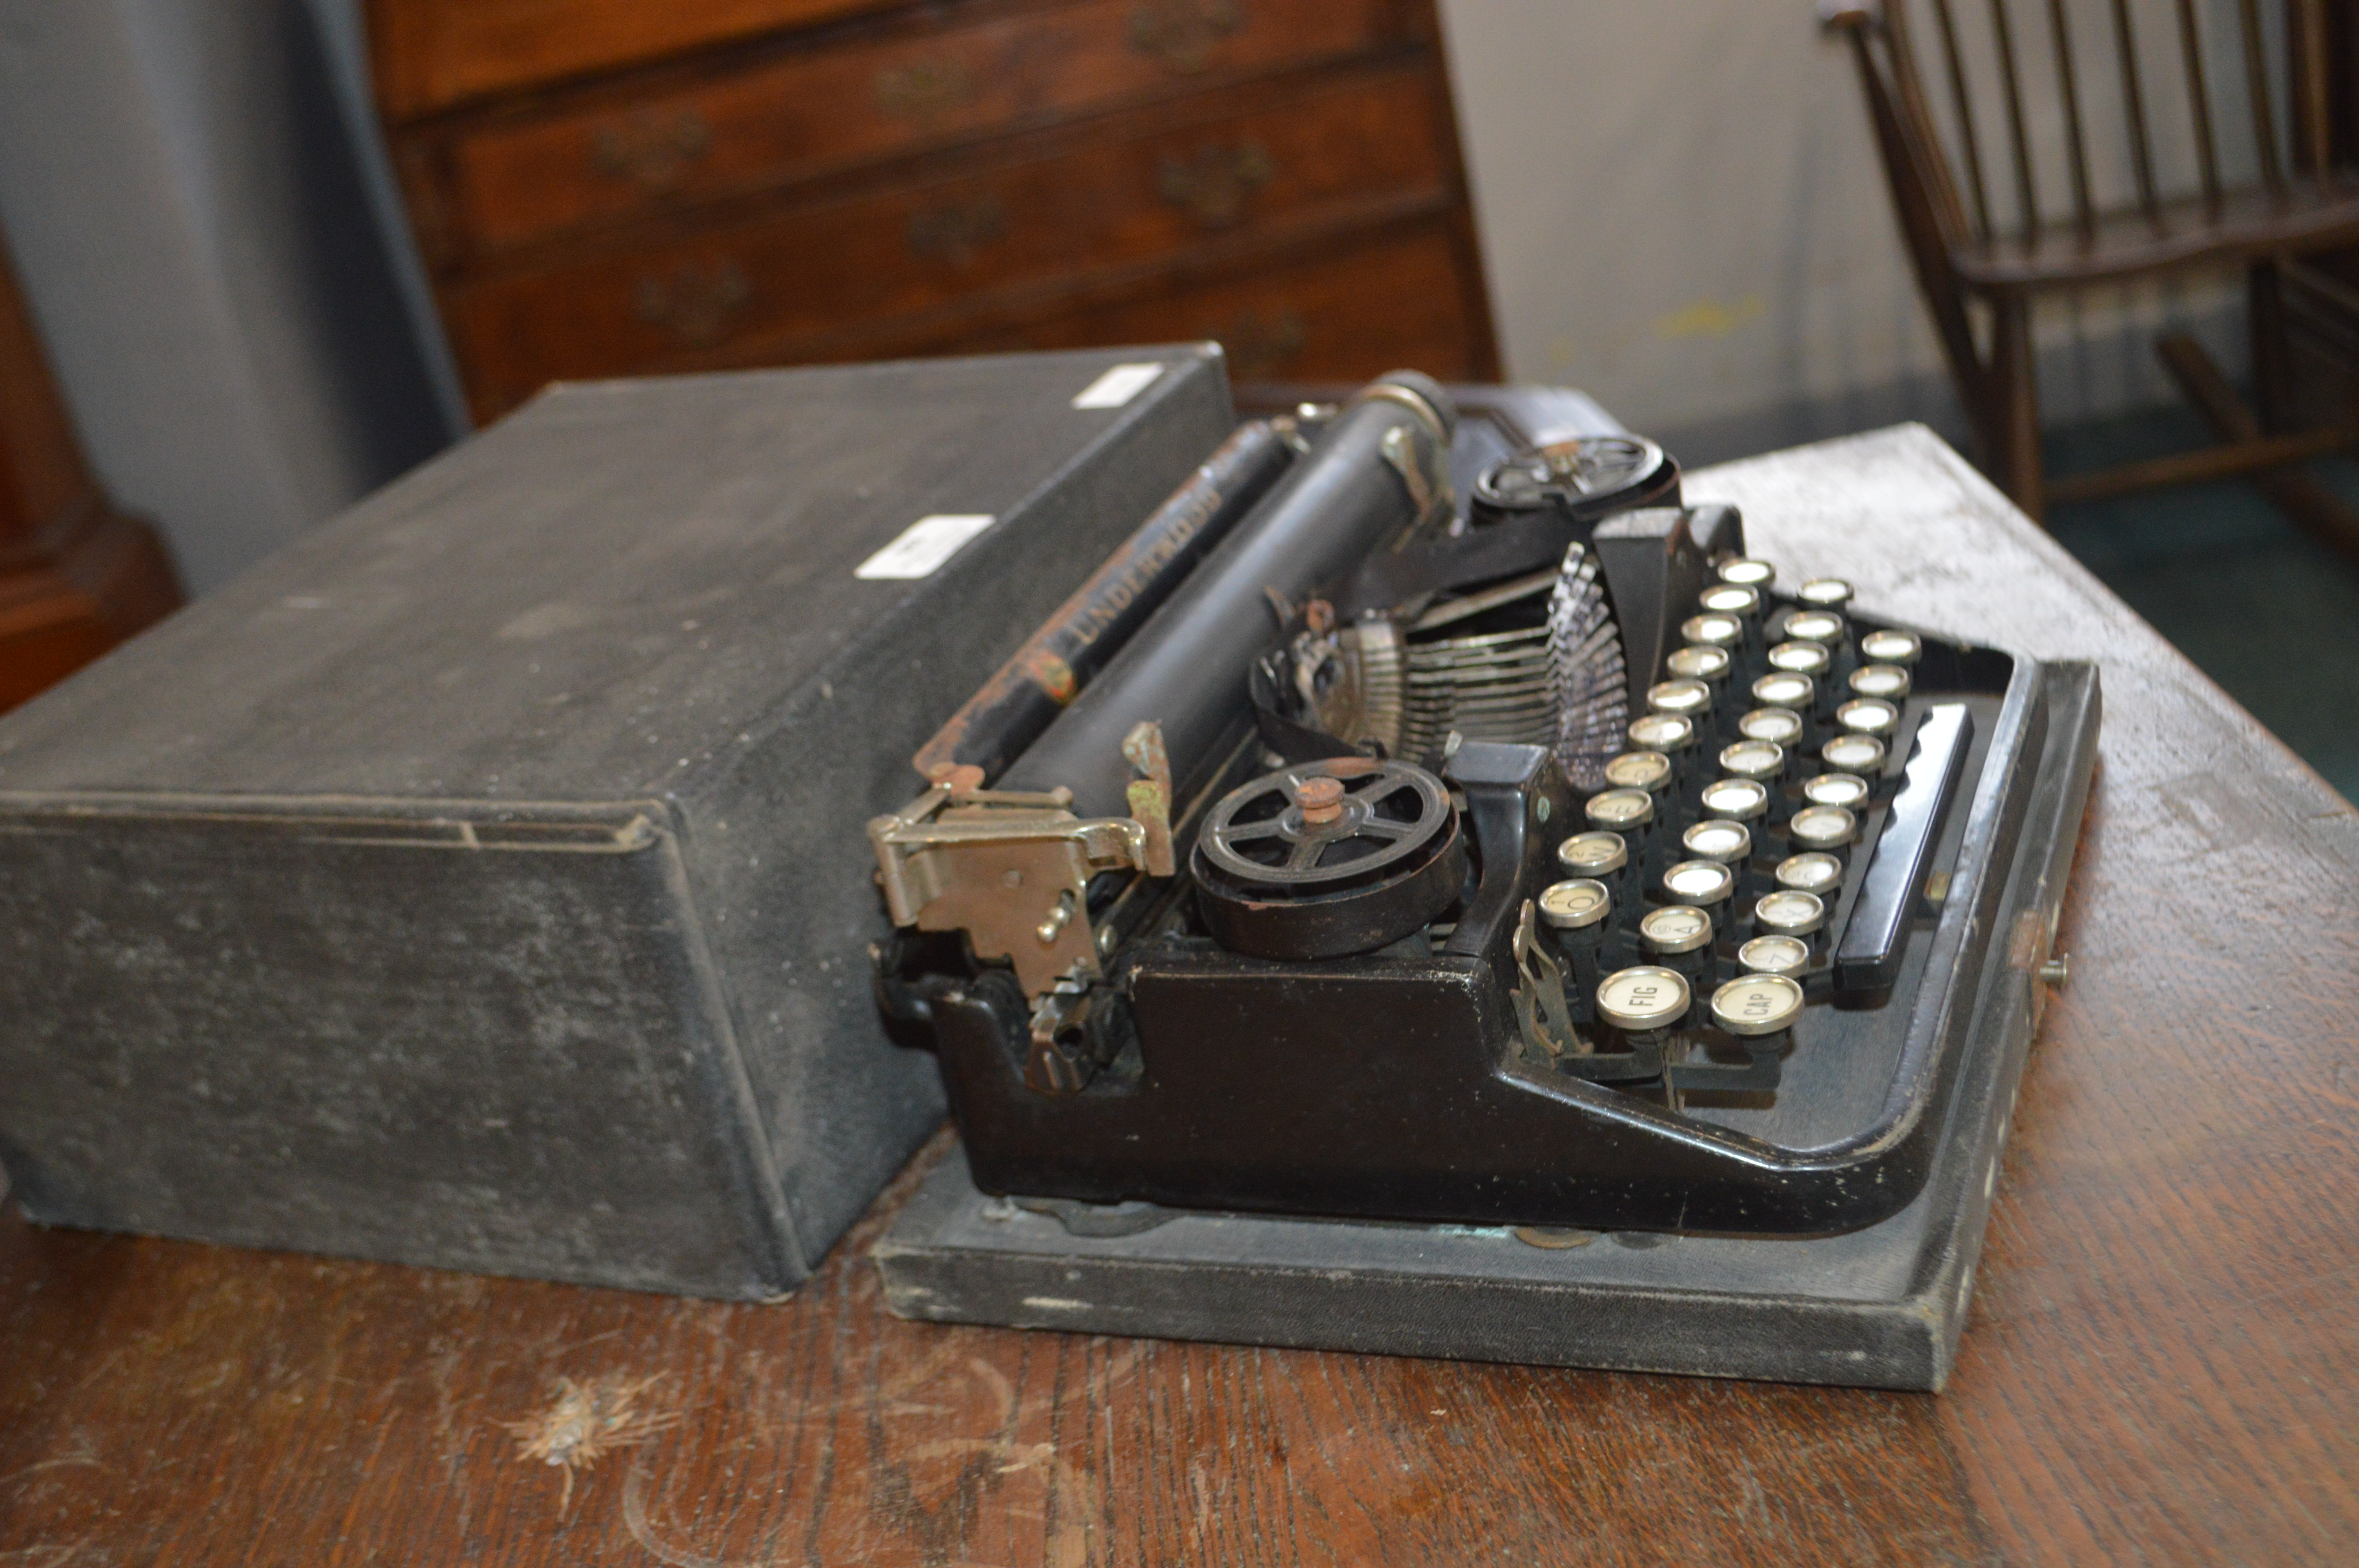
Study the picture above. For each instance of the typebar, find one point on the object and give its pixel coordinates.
(1868, 961)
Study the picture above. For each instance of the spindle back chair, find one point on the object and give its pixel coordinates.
(2202, 194)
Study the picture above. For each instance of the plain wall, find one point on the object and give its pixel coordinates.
(1682, 212)
(191, 219)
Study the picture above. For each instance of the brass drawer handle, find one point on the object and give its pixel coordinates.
(653, 151)
(1183, 34)
(697, 304)
(955, 232)
(924, 90)
(1260, 345)
(1218, 183)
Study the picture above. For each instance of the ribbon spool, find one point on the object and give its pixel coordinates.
(1328, 858)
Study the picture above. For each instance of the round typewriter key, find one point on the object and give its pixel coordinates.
(1829, 628)
(1688, 699)
(1675, 928)
(1819, 626)
(1889, 647)
(1645, 999)
(1726, 842)
(1594, 856)
(1789, 913)
(1823, 828)
(1665, 733)
(1745, 571)
(1709, 665)
(1741, 606)
(1712, 630)
(1786, 912)
(1740, 803)
(1785, 690)
(1788, 956)
(1868, 716)
(1678, 938)
(1847, 790)
(1574, 912)
(1758, 761)
(1855, 753)
(1759, 1009)
(1779, 726)
(1632, 814)
(1811, 873)
(1825, 592)
(1650, 771)
(1730, 599)
(1700, 883)
(1603, 857)
(1619, 810)
(1675, 737)
(1889, 683)
(1573, 905)
(1711, 668)
(1801, 658)
(1739, 799)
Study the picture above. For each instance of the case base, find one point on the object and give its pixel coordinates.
(1878, 1307)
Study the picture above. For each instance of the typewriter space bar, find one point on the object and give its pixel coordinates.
(1867, 961)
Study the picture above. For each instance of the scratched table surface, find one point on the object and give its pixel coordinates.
(2158, 1367)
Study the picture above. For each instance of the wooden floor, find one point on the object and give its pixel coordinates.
(2162, 1365)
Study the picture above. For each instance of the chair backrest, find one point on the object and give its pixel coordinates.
(2025, 116)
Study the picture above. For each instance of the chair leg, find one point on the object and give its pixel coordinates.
(2314, 508)
(2272, 368)
(2012, 407)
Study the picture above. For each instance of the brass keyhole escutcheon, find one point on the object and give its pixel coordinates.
(696, 304)
(956, 231)
(654, 151)
(1216, 184)
(924, 90)
(1183, 34)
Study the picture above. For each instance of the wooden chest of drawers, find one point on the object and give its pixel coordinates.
(610, 187)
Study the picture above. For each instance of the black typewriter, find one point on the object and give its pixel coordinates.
(1506, 850)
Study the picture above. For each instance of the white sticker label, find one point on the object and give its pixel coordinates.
(1117, 386)
(925, 545)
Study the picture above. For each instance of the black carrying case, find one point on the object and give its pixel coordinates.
(480, 882)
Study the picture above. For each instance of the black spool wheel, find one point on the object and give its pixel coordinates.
(1274, 882)
(1586, 478)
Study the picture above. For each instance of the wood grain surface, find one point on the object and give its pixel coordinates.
(430, 54)
(2158, 1369)
(769, 117)
(1045, 213)
(608, 187)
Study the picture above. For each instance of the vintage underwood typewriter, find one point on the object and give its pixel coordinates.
(1352, 877)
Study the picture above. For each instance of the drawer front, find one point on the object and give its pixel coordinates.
(1403, 301)
(1347, 310)
(1351, 148)
(786, 116)
(431, 54)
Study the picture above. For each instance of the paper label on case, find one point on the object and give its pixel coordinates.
(924, 545)
(1117, 386)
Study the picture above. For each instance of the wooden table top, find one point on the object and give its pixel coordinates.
(2158, 1367)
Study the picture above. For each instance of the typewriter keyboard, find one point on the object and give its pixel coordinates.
(1758, 846)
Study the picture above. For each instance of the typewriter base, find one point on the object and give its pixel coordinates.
(1879, 1307)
